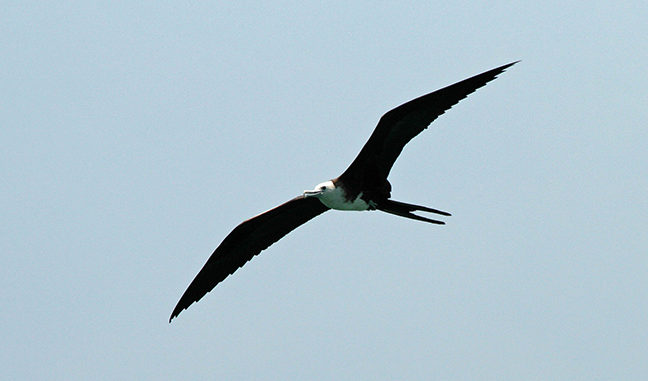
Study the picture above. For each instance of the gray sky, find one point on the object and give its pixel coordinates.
(135, 137)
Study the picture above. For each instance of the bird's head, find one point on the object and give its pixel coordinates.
(320, 189)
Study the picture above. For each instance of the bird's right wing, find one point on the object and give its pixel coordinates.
(247, 240)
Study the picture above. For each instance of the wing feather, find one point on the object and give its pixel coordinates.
(399, 125)
(247, 240)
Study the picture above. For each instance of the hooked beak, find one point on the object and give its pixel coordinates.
(312, 193)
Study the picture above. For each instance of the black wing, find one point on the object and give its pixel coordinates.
(247, 240)
(398, 126)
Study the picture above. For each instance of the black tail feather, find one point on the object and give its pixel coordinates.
(404, 210)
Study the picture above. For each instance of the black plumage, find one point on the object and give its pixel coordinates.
(365, 179)
(248, 239)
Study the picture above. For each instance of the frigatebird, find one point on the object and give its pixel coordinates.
(363, 186)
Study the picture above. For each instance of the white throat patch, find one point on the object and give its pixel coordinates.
(334, 198)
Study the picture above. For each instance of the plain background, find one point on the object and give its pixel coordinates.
(136, 136)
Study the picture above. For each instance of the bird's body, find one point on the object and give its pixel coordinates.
(332, 194)
(363, 186)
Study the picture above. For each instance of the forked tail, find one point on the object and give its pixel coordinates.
(405, 210)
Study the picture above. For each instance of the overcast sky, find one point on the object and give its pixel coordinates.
(136, 136)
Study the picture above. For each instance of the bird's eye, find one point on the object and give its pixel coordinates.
(323, 187)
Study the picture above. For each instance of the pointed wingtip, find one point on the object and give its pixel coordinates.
(504, 67)
(494, 73)
(501, 69)
(176, 312)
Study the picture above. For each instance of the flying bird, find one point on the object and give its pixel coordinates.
(363, 186)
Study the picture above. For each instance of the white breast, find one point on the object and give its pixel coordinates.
(335, 199)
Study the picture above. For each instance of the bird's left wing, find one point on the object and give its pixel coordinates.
(398, 126)
(247, 240)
